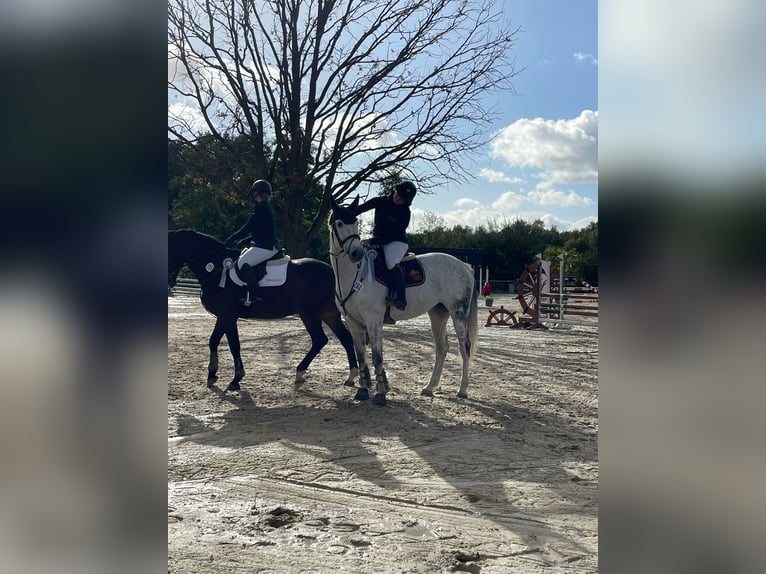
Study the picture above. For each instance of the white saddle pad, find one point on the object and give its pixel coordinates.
(276, 273)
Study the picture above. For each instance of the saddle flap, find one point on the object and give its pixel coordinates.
(414, 274)
(276, 273)
(284, 260)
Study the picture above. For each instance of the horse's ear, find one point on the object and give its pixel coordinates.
(333, 203)
(355, 203)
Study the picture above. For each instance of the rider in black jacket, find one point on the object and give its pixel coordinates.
(392, 216)
(259, 232)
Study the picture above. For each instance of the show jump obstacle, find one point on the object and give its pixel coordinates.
(544, 299)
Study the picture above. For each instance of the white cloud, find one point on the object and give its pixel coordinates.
(554, 198)
(510, 207)
(584, 58)
(372, 131)
(494, 176)
(563, 151)
(551, 220)
(508, 201)
(583, 222)
(188, 116)
(467, 203)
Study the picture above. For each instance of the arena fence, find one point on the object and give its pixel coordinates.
(185, 287)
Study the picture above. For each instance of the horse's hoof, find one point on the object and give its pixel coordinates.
(233, 386)
(380, 400)
(463, 395)
(349, 383)
(211, 380)
(300, 378)
(427, 393)
(362, 395)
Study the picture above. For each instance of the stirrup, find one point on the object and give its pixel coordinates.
(248, 301)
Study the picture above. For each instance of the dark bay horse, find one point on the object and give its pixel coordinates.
(309, 292)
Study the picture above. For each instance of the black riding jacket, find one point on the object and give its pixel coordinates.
(391, 220)
(260, 229)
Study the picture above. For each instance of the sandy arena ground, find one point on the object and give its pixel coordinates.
(283, 479)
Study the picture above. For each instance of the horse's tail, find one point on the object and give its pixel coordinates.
(473, 324)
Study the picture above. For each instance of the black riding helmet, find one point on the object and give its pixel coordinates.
(261, 187)
(406, 191)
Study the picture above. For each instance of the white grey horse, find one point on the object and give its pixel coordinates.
(448, 291)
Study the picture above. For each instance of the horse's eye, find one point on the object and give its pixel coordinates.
(339, 224)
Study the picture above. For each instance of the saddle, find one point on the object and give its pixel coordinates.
(270, 273)
(413, 271)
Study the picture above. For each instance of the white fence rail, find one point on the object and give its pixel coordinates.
(185, 287)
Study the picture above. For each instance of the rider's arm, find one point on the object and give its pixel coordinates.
(239, 235)
(368, 205)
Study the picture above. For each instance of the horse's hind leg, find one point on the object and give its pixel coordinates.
(438, 316)
(460, 322)
(313, 325)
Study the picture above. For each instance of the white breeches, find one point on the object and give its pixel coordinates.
(394, 252)
(255, 255)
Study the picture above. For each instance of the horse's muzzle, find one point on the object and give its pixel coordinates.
(356, 253)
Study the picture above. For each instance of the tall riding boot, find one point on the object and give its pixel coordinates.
(249, 275)
(397, 282)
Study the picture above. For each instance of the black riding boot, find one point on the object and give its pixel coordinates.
(397, 282)
(249, 275)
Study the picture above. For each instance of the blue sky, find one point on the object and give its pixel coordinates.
(543, 160)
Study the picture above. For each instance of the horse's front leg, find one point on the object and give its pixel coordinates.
(359, 335)
(215, 339)
(232, 336)
(381, 381)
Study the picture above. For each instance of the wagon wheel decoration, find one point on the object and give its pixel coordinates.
(528, 293)
(528, 290)
(501, 317)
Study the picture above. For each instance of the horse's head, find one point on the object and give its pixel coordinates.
(344, 230)
(175, 261)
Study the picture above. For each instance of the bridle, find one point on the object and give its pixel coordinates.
(341, 242)
(356, 285)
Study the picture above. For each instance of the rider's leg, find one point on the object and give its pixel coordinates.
(248, 274)
(246, 264)
(397, 282)
(393, 253)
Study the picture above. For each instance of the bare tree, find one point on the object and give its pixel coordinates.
(339, 92)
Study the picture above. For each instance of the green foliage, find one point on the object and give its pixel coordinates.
(209, 184)
(209, 190)
(511, 245)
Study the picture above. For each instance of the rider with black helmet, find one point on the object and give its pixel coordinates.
(259, 233)
(392, 216)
